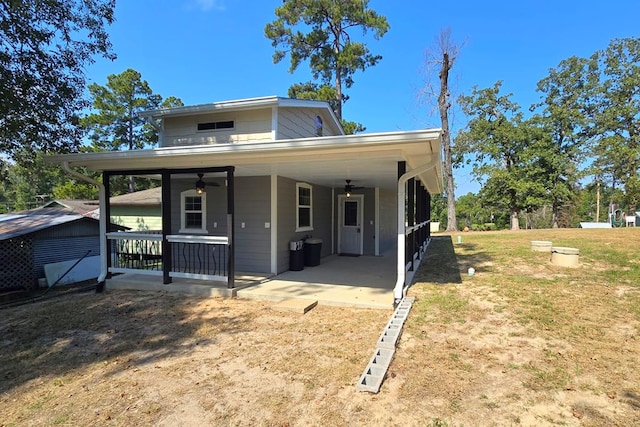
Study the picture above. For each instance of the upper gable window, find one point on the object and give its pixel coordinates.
(226, 124)
(319, 125)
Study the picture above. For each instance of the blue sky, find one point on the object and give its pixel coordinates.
(212, 50)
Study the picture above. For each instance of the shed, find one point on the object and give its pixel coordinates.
(31, 239)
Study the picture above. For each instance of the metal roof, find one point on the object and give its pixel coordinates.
(15, 225)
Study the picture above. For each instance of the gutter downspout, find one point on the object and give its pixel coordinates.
(399, 289)
(103, 220)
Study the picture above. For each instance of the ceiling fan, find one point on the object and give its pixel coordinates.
(200, 184)
(348, 188)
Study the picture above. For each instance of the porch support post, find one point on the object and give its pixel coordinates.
(399, 289)
(231, 269)
(420, 217)
(411, 220)
(166, 227)
(427, 206)
(106, 210)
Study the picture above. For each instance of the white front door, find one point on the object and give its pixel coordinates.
(350, 226)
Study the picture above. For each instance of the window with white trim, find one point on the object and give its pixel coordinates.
(193, 212)
(304, 207)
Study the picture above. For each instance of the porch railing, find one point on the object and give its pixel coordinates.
(416, 238)
(199, 257)
(192, 256)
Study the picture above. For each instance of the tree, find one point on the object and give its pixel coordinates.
(333, 56)
(442, 57)
(30, 181)
(45, 47)
(499, 139)
(115, 123)
(562, 128)
(615, 114)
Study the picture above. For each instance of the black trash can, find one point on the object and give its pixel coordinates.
(296, 255)
(312, 250)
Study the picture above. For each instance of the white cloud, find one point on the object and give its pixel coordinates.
(208, 5)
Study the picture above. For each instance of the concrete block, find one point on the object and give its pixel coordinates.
(369, 383)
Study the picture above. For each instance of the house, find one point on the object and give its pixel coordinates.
(138, 211)
(243, 179)
(58, 231)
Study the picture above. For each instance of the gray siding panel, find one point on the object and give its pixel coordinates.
(368, 227)
(301, 123)
(287, 219)
(253, 242)
(388, 221)
(252, 206)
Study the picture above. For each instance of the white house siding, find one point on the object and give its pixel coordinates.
(301, 123)
(388, 223)
(321, 197)
(250, 126)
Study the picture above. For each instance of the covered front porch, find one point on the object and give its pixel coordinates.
(365, 281)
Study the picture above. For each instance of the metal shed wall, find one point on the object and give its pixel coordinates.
(47, 251)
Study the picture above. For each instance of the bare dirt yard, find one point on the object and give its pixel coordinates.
(520, 343)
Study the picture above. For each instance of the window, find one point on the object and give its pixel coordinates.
(227, 124)
(304, 203)
(193, 208)
(318, 123)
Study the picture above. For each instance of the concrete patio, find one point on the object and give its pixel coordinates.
(364, 281)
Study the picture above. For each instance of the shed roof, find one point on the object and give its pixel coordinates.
(67, 206)
(15, 225)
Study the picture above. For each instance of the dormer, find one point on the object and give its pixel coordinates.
(246, 120)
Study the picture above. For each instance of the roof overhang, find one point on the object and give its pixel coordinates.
(369, 159)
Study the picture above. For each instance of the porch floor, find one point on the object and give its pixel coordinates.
(365, 281)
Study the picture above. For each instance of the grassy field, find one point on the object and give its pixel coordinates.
(521, 342)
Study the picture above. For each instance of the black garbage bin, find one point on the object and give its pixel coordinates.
(296, 255)
(312, 249)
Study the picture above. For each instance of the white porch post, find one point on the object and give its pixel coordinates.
(399, 289)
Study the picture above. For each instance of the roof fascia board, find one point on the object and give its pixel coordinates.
(341, 142)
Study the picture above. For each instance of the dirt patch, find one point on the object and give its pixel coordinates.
(519, 343)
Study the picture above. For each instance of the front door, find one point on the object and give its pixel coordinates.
(351, 225)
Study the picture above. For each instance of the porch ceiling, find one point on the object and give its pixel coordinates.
(369, 160)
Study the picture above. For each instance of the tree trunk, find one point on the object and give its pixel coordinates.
(443, 106)
(132, 182)
(515, 222)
